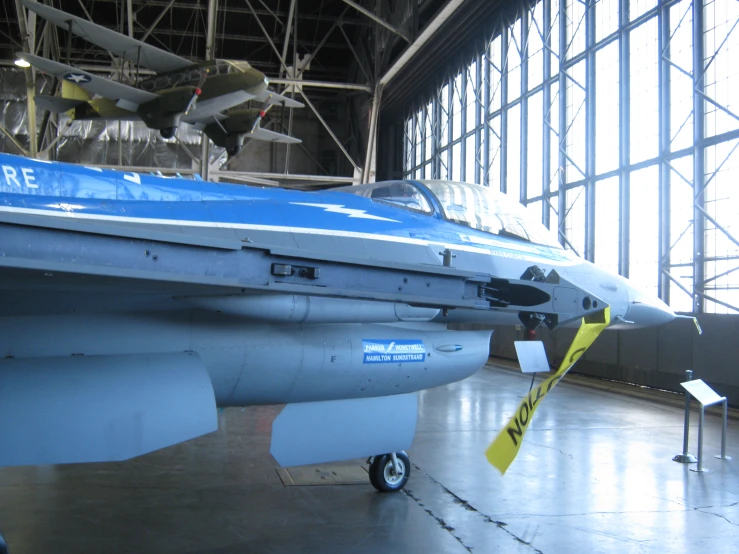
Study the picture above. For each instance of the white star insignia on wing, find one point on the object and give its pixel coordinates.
(77, 78)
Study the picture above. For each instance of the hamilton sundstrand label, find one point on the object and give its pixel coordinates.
(381, 351)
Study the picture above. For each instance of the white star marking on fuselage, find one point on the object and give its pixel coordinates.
(340, 209)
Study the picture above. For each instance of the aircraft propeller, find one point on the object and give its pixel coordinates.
(191, 103)
(262, 112)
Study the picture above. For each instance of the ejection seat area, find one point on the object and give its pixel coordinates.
(595, 474)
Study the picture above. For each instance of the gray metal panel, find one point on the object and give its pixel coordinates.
(129, 48)
(101, 408)
(317, 432)
(178, 234)
(251, 269)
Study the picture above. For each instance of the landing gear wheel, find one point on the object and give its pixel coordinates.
(3, 546)
(383, 474)
(168, 132)
(233, 150)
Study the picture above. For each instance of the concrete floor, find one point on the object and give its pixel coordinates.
(594, 475)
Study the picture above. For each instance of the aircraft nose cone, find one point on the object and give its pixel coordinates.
(646, 310)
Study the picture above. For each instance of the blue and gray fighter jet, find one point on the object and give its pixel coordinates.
(132, 306)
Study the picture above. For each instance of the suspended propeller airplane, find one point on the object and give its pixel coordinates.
(210, 95)
(132, 305)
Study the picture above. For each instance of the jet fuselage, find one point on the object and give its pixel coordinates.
(147, 301)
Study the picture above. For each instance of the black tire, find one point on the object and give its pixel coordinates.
(3, 546)
(168, 132)
(233, 150)
(382, 472)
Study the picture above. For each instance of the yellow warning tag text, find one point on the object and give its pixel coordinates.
(503, 450)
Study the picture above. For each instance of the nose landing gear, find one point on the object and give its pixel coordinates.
(389, 472)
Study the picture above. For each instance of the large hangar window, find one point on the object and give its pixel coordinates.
(618, 122)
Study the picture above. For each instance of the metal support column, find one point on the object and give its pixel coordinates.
(504, 110)
(436, 134)
(546, 168)
(463, 126)
(562, 132)
(126, 65)
(28, 36)
(405, 149)
(210, 42)
(664, 147)
(368, 175)
(479, 119)
(485, 177)
(449, 128)
(286, 44)
(698, 159)
(590, 138)
(294, 20)
(524, 137)
(624, 130)
(413, 144)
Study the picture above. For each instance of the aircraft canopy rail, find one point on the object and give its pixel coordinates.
(403, 194)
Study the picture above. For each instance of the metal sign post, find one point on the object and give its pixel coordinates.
(707, 397)
(723, 455)
(685, 457)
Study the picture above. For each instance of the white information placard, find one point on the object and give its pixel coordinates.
(531, 356)
(702, 392)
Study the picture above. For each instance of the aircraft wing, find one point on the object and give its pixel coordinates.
(271, 97)
(92, 83)
(205, 111)
(271, 136)
(131, 49)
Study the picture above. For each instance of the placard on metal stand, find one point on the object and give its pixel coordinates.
(707, 397)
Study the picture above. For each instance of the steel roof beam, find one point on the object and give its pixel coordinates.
(157, 20)
(286, 44)
(321, 84)
(377, 20)
(266, 36)
(330, 132)
(446, 12)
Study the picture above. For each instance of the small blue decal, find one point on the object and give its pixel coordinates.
(381, 351)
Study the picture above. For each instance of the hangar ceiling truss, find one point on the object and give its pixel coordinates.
(321, 50)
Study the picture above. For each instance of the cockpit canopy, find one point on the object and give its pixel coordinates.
(224, 67)
(195, 75)
(474, 206)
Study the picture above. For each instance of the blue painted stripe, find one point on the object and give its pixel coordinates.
(52, 188)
